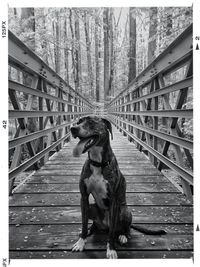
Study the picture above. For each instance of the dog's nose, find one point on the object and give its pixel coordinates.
(74, 131)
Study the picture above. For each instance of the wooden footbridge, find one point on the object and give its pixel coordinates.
(149, 136)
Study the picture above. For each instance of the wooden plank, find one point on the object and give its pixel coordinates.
(62, 159)
(123, 162)
(46, 178)
(123, 166)
(100, 254)
(63, 240)
(63, 199)
(121, 155)
(67, 187)
(78, 167)
(78, 171)
(117, 148)
(66, 214)
(74, 228)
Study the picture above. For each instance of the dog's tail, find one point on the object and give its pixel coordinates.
(148, 231)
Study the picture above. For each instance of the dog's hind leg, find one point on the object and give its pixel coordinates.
(122, 239)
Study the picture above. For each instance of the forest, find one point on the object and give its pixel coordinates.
(98, 51)
(132, 67)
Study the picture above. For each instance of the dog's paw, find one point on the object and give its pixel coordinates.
(123, 239)
(111, 253)
(79, 245)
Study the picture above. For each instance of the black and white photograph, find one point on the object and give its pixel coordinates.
(98, 118)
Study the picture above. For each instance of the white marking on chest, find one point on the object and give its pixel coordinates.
(97, 186)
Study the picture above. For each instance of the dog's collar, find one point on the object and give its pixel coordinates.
(98, 164)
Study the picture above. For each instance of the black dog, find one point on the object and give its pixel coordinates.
(102, 178)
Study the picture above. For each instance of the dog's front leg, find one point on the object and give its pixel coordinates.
(113, 219)
(80, 244)
(111, 253)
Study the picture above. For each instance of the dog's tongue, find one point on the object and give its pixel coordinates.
(78, 150)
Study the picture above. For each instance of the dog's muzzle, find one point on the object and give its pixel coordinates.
(74, 130)
(85, 143)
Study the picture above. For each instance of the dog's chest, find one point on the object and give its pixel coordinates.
(98, 187)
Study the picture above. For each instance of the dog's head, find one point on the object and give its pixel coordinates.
(92, 131)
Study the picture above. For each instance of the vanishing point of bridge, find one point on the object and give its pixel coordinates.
(44, 209)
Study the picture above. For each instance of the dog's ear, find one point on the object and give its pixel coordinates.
(109, 126)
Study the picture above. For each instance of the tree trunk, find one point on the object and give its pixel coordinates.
(97, 43)
(66, 52)
(29, 15)
(89, 59)
(152, 34)
(56, 33)
(43, 40)
(106, 52)
(169, 21)
(112, 56)
(73, 49)
(132, 43)
(78, 54)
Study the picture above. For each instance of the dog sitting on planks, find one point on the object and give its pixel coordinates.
(102, 178)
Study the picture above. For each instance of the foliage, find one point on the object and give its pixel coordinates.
(60, 47)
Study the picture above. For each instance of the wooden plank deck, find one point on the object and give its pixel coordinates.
(45, 217)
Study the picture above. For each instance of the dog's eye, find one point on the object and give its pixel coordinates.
(80, 121)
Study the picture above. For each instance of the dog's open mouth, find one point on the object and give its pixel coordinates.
(84, 144)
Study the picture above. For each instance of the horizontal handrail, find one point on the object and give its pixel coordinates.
(22, 167)
(24, 58)
(13, 114)
(55, 110)
(176, 113)
(169, 137)
(15, 86)
(32, 136)
(144, 107)
(187, 175)
(180, 85)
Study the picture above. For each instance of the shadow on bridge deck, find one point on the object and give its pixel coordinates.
(45, 217)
